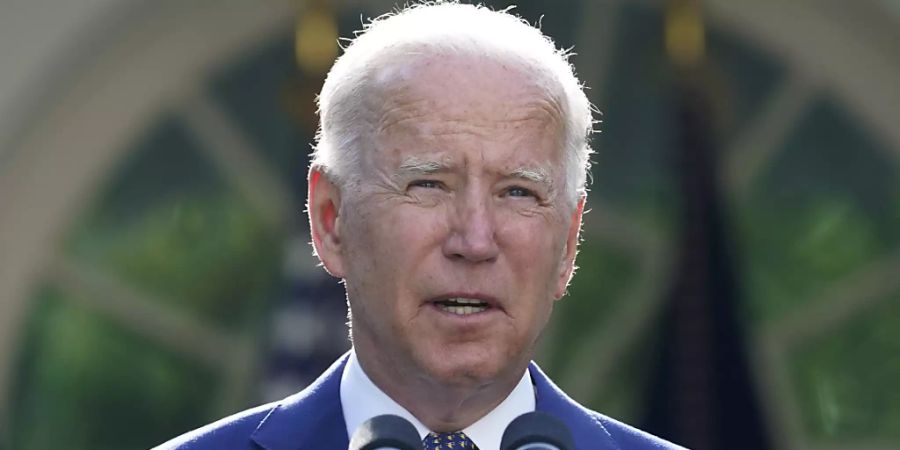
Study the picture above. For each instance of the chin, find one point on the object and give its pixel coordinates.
(466, 369)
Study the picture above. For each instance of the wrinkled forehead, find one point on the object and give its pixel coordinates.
(456, 76)
(441, 94)
(442, 111)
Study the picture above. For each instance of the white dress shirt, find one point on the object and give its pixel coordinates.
(361, 400)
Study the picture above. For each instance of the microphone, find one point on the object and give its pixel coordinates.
(537, 431)
(386, 432)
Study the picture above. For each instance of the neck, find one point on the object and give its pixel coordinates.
(441, 406)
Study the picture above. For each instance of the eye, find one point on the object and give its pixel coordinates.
(518, 191)
(427, 184)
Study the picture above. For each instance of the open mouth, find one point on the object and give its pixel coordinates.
(462, 306)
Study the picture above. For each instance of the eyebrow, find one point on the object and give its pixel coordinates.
(535, 175)
(412, 166)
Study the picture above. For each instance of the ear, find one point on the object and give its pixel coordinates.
(568, 264)
(324, 206)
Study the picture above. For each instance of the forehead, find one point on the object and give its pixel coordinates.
(438, 101)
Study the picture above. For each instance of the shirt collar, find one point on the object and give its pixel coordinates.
(362, 400)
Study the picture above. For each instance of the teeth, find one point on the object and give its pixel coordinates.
(463, 310)
(466, 301)
(462, 306)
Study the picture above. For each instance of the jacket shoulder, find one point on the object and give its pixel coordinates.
(231, 433)
(590, 429)
(630, 438)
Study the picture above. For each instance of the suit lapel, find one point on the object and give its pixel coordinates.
(313, 418)
(310, 419)
(586, 429)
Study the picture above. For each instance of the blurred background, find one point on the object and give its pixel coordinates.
(739, 281)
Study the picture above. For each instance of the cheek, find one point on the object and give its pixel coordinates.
(412, 229)
(534, 245)
(392, 239)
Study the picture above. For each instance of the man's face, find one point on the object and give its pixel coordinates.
(459, 238)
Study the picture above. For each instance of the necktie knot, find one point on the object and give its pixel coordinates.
(448, 441)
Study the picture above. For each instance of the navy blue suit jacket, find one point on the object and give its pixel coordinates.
(314, 420)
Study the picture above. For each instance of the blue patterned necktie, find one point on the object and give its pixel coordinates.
(448, 441)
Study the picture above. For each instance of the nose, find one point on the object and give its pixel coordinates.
(472, 235)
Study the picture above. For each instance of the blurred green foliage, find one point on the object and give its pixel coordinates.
(624, 391)
(822, 211)
(794, 255)
(846, 378)
(87, 383)
(209, 256)
(170, 225)
(819, 212)
(604, 275)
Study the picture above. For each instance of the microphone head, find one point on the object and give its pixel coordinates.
(386, 432)
(538, 431)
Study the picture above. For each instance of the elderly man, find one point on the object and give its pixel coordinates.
(446, 190)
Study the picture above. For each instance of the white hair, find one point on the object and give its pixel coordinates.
(346, 102)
